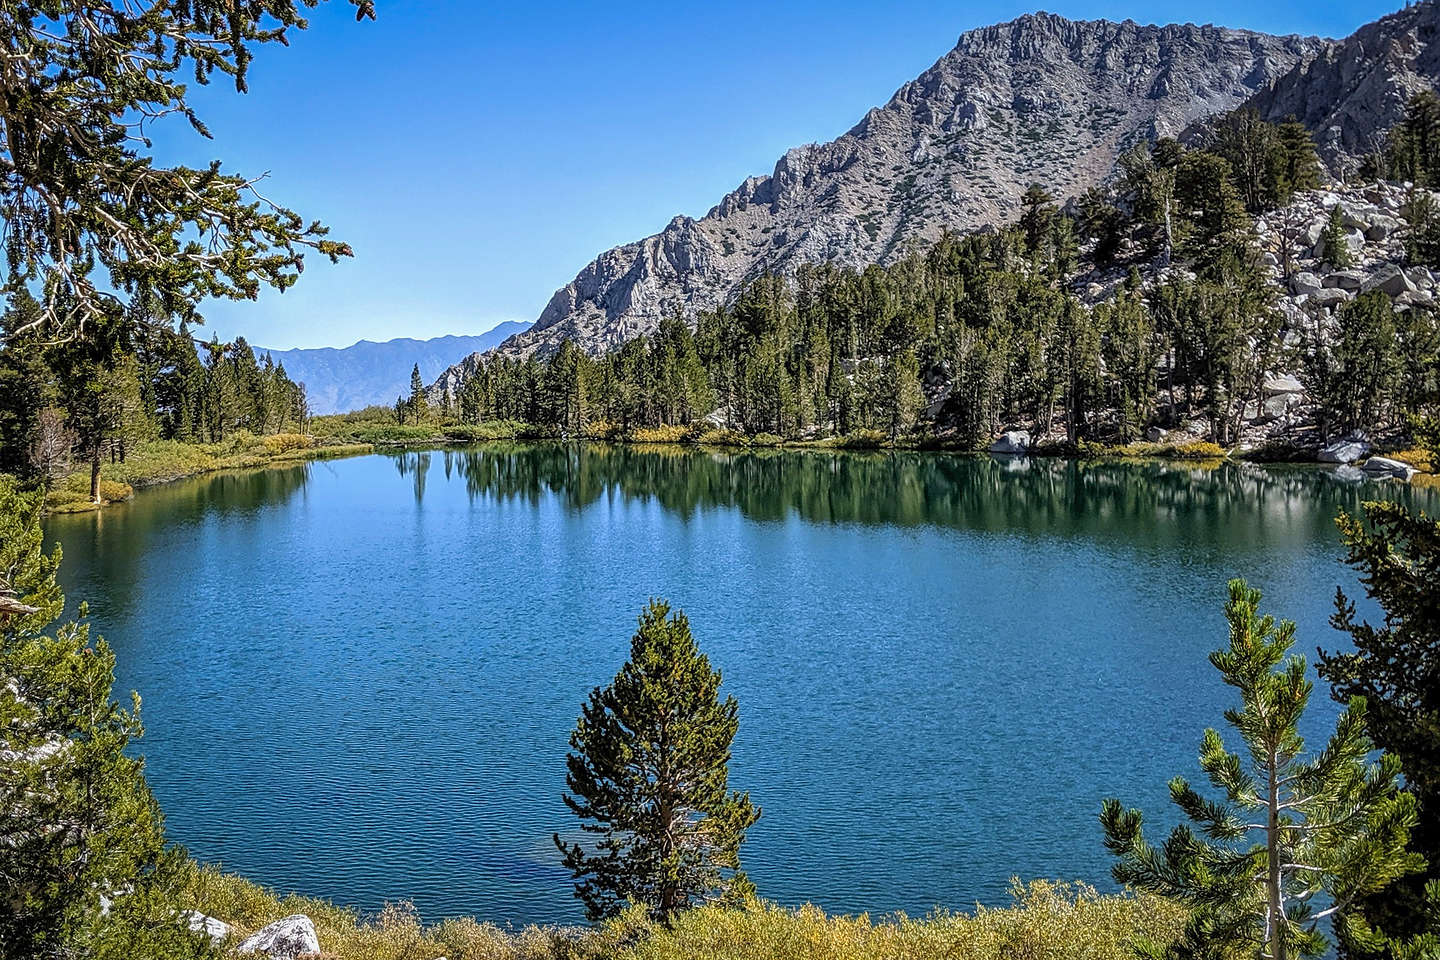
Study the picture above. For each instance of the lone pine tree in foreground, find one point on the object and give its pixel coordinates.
(649, 778)
(1289, 830)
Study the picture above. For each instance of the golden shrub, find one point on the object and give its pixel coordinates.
(285, 442)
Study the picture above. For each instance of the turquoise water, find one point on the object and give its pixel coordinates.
(359, 676)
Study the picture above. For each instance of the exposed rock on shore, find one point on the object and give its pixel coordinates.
(286, 939)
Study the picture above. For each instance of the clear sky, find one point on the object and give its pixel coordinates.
(477, 155)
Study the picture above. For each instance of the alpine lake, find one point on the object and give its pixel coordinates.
(359, 676)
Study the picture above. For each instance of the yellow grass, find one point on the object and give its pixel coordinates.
(1047, 922)
(160, 461)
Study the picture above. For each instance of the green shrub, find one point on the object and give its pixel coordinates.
(862, 440)
(1199, 450)
(1049, 921)
(715, 437)
(659, 434)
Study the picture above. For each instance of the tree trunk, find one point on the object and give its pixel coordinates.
(95, 472)
(1169, 241)
(1274, 918)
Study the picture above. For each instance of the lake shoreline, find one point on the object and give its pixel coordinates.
(334, 448)
(156, 465)
(299, 614)
(1093, 924)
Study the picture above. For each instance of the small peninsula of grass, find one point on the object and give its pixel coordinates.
(161, 461)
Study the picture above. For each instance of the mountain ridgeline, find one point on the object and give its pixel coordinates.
(1040, 99)
(369, 373)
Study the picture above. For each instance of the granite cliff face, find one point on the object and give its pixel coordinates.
(1353, 91)
(1040, 99)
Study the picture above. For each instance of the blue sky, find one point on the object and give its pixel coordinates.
(478, 155)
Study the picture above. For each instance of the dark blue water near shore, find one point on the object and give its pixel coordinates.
(359, 676)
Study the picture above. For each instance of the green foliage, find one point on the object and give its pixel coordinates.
(1363, 939)
(1427, 435)
(1053, 921)
(100, 398)
(649, 777)
(1351, 372)
(1422, 240)
(1333, 242)
(415, 409)
(1289, 831)
(1131, 353)
(1395, 666)
(89, 213)
(78, 821)
(1412, 150)
(1270, 162)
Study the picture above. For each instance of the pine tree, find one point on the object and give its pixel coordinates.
(903, 397)
(1130, 357)
(649, 777)
(1299, 165)
(1289, 830)
(27, 388)
(77, 821)
(1413, 151)
(418, 408)
(1333, 240)
(90, 214)
(1249, 145)
(1351, 369)
(1035, 221)
(1395, 666)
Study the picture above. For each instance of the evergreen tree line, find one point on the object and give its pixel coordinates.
(133, 380)
(981, 331)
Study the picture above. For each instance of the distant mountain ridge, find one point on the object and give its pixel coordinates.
(339, 379)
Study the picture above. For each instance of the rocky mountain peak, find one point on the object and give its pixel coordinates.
(1351, 92)
(1040, 99)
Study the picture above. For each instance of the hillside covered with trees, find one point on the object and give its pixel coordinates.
(1000, 328)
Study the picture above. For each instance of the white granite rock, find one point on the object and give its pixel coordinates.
(1385, 467)
(286, 939)
(1346, 450)
(1012, 442)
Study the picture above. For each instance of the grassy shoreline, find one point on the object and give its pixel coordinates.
(164, 461)
(1059, 921)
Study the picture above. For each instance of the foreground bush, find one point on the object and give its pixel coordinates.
(1047, 921)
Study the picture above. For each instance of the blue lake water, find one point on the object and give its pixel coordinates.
(359, 676)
